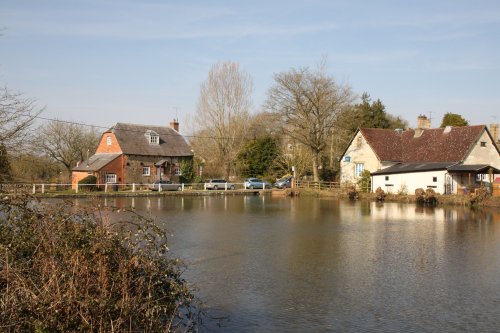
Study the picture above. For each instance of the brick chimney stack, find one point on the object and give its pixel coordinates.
(494, 129)
(175, 125)
(423, 122)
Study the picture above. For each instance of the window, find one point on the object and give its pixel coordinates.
(359, 142)
(435, 179)
(108, 140)
(483, 143)
(154, 139)
(177, 171)
(359, 169)
(110, 178)
(386, 177)
(146, 171)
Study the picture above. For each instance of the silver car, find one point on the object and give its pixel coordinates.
(218, 184)
(166, 185)
(253, 183)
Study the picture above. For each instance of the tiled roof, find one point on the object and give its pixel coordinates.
(133, 140)
(95, 162)
(433, 145)
(386, 143)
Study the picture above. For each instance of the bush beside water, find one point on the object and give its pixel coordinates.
(66, 271)
(88, 183)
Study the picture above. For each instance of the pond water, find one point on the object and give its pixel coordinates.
(273, 264)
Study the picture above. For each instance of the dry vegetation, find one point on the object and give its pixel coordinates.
(62, 270)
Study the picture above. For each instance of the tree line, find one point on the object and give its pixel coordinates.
(306, 122)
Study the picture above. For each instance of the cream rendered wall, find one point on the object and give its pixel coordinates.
(359, 152)
(484, 155)
(410, 181)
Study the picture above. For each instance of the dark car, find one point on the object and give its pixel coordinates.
(165, 185)
(285, 182)
(252, 183)
(219, 184)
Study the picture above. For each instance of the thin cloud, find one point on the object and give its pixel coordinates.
(150, 22)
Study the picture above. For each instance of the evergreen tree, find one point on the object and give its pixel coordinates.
(257, 157)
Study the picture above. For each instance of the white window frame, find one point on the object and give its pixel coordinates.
(358, 169)
(154, 139)
(146, 171)
(110, 178)
(177, 171)
(109, 141)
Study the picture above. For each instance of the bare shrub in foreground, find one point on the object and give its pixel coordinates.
(63, 271)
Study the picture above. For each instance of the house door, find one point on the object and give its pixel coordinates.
(448, 185)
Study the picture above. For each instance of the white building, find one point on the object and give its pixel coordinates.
(448, 160)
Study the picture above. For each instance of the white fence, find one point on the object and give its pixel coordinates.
(136, 187)
(46, 188)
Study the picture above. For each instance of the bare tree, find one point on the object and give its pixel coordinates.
(294, 155)
(17, 114)
(222, 114)
(308, 103)
(66, 143)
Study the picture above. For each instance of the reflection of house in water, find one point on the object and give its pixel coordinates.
(449, 160)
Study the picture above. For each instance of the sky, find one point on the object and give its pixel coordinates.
(105, 61)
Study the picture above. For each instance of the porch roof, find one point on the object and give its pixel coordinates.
(476, 168)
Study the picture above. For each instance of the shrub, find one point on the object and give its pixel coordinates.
(365, 181)
(89, 183)
(478, 196)
(65, 271)
(403, 189)
(426, 197)
(380, 194)
(352, 193)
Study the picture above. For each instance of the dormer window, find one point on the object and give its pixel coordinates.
(152, 137)
(108, 140)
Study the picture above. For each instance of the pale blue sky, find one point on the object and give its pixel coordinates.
(107, 61)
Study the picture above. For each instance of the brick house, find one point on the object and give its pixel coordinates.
(130, 153)
(446, 159)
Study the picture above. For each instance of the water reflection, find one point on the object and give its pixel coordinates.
(310, 264)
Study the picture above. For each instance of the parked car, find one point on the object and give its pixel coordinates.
(219, 184)
(166, 185)
(285, 182)
(252, 183)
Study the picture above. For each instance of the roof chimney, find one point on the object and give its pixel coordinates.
(423, 122)
(175, 125)
(494, 132)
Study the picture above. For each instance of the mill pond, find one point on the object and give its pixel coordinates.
(264, 264)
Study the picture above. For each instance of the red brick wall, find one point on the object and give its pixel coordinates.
(105, 148)
(117, 167)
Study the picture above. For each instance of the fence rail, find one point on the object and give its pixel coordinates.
(47, 188)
